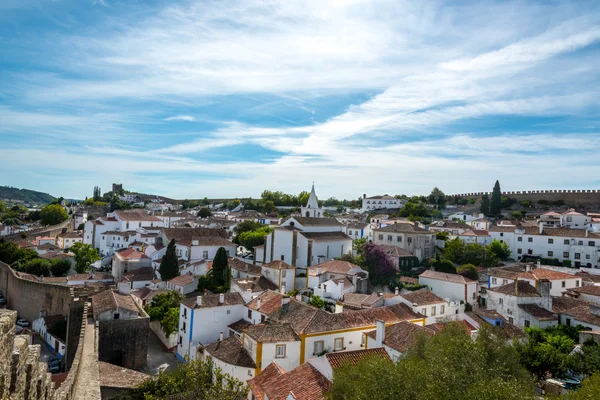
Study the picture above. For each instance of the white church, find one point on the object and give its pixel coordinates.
(305, 240)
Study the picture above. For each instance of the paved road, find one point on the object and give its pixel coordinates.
(46, 353)
(158, 357)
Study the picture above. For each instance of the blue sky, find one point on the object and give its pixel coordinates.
(227, 98)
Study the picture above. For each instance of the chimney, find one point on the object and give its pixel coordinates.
(354, 281)
(527, 267)
(41, 278)
(285, 300)
(283, 289)
(379, 333)
(541, 225)
(258, 303)
(587, 233)
(539, 263)
(221, 336)
(517, 287)
(397, 291)
(339, 308)
(342, 287)
(364, 196)
(221, 298)
(318, 271)
(199, 300)
(544, 289)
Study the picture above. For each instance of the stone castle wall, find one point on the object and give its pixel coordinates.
(22, 374)
(570, 197)
(124, 342)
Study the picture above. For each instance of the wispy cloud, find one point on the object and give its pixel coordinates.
(361, 96)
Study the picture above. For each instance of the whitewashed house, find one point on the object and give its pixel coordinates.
(418, 241)
(194, 244)
(396, 339)
(128, 261)
(65, 240)
(183, 284)
(532, 274)
(456, 288)
(426, 303)
(380, 202)
(45, 327)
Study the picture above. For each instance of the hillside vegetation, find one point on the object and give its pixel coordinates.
(26, 195)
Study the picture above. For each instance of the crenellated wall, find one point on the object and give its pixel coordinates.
(570, 197)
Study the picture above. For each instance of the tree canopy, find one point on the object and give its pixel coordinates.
(169, 267)
(496, 200)
(164, 308)
(379, 264)
(501, 250)
(53, 214)
(485, 204)
(477, 254)
(447, 366)
(220, 269)
(85, 255)
(204, 212)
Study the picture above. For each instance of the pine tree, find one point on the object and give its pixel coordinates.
(496, 202)
(169, 267)
(220, 269)
(485, 204)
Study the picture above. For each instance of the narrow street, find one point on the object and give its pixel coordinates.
(159, 359)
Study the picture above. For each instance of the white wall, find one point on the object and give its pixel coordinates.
(292, 355)
(453, 291)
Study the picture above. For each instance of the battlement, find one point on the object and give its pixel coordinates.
(569, 196)
(22, 374)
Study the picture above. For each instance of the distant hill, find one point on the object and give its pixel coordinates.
(25, 195)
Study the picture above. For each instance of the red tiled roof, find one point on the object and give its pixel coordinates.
(353, 357)
(278, 264)
(183, 280)
(334, 267)
(423, 297)
(402, 335)
(272, 371)
(130, 254)
(442, 276)
(270, 301)
(304, 383)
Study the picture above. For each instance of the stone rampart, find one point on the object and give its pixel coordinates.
(52, 231)
(570, 197)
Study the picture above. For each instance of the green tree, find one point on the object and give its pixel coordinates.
(97, 194)
(317, 301)
(85, 255)
(358, 244)
(251, 239)
(438, 198)
(204, 212)
(546, 350)
(2, 207)
(443, 265)
(53, 214)
(442, 236)
(468, 270)
(246, 226)
(164, 308)
(169, 266)
(500, 249)
(220, 269)
(60, 267)
(496, 200)
(590, 388)
(36, 266)
(268, 206)
(518, 215)
(198, 379)
(485, 204)
(446, 366)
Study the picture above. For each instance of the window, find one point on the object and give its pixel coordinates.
(280, 351)
(550, 253)
(501, 233)
(338, 344)
(592, 243)
(501, 300)
(565, 254)
(578, 256)
(283, 274)
(349, 232)
(568, 322)
(580, 243)
(399, 239)
(185, 313)
(519, 251)
(526, 323)
(511, 320)
(318, 348)
(228, 312)
(504, 282)
(443, 308)
(250, 315)
(587, 257)
(564, 284)
(520, 239)
(432, 311)
(389, 238)
(127, 226)
(183, 327)
(180, 340)
(117, 315)
(380, 237)
(205, 254)
(409, 240)
(424, 311)
(576, 283)
(566, 241)
(550, 241)
(530, 240)
(529, 251)
(493, 280)
(263, 318)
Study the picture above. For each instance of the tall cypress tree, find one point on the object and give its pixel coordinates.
(169, 268)
(496, 202)
(220, 269)
(485, 204)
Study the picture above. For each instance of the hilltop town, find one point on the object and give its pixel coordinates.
(278, 297)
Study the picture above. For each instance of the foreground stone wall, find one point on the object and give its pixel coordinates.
(570, 197)
(124, 342)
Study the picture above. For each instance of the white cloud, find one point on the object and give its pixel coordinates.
(187, 118)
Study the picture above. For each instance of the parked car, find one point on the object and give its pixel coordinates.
(54, 365)
(22, 322)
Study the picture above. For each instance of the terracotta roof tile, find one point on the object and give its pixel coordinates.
(254, 284)
(183, 280)
(325, 236)
(136, 216)
(562, 304)
(334, 267)
(304, 382)
(589, 289)
(442, 276)
(130, 254)
(402, 335)
(278, 264)
(401, 227)
(353, 357)
(268, 332)
(423, 297)
(270, 301)
(309, 221)
(231, 351)
(272, 371)
(524, 289)
(213, 300)
(204, 236)
(111, 300)
(114, 376)
(537, 312)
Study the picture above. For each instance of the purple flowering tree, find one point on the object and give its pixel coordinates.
(380, 266)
